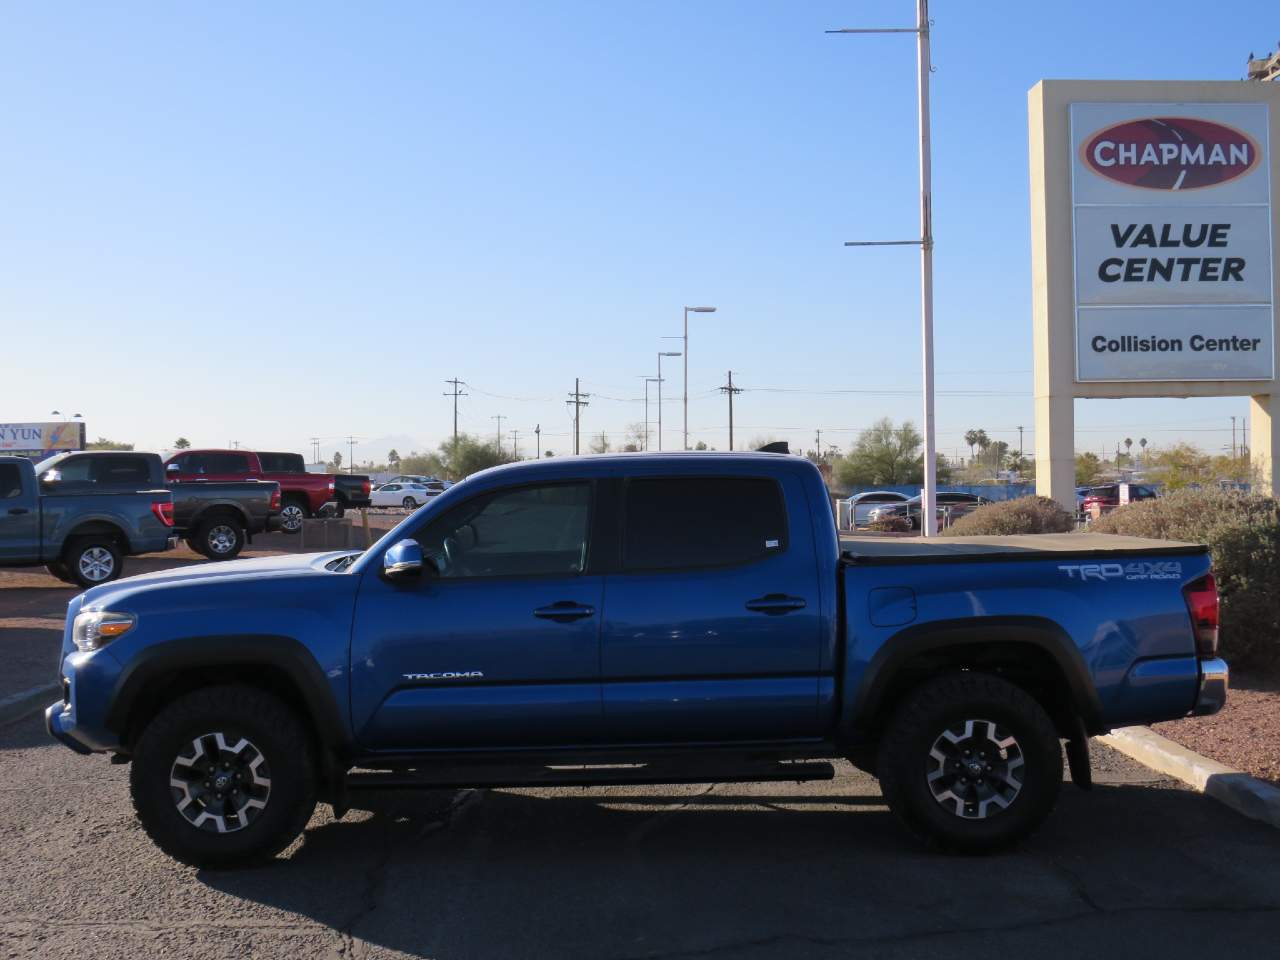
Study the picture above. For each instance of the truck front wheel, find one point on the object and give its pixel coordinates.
(223, 776)
(971, 763)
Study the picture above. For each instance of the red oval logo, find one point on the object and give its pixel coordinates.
(1170, 153)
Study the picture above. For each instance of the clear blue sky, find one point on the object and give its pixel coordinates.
(267, 222)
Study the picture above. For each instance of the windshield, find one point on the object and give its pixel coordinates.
(50, 462)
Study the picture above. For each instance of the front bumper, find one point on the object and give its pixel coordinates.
(60, 721)
(1212, 695)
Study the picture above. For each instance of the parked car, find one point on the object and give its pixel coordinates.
(633, 619)
(950, 506)
(216, 518)
(860, 504)
(407, 495)
(80, 534)
(1107, 495)
(434, 484)
(303, 494)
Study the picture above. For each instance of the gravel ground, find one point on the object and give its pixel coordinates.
(1244, 735)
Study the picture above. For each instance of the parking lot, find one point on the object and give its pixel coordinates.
(1140, 865)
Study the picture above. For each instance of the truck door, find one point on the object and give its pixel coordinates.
(501, 647)
(19, 514)
(712, 623)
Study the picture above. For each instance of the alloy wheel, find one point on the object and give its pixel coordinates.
(220, 787)
(96, 564)
(975, 769)
(291, 517)
(222, 539)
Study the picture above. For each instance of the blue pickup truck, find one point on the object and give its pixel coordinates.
(633, 619)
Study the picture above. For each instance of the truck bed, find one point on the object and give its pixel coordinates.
(878, 550)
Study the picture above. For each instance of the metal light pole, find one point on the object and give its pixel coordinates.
(687, 311)
(647, 381)
(662, 354)
(928, 496)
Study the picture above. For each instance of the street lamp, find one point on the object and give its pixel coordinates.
(59, 413)
(647, 381)
(687, 311)
(661, 354)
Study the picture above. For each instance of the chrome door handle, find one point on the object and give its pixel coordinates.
(775, 604)
(564, 611)
(15, 511)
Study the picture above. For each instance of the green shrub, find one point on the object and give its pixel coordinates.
(1243, 533)
(890, 524)
(1023, 515)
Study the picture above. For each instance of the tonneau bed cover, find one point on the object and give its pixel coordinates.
(958, 549)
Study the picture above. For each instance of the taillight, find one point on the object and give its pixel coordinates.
(163, 512)
(1202, 604)
(332, 484)
(275, 500)
(366, 486)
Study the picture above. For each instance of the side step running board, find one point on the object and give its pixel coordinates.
(456, 777)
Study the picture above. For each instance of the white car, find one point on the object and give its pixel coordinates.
(407, 495)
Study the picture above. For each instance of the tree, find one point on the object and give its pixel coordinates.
(1088, 466)
(182, 443)
(883, 455)
(393, 458)
(701, 445)
(102, 443)
(635, 438)
(336, 463)
(599, 443)
(467, 455)
(971, 439)
(421, 464)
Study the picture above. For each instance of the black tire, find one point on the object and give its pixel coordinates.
(936, 715)
(273, 732)
(339, 509)
(59, 569)
(409, 503)
(93, 560)
(294, 511)
(220, 538)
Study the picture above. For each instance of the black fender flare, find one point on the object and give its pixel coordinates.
(1039, 632)
(188, 654)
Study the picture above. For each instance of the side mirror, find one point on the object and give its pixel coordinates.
(404, 559)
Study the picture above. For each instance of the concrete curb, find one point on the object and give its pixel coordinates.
(1244, 794)
(25, 702)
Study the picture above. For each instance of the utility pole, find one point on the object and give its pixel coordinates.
(661, 354)
(1233, 438)
(457, 392)
(235, 444)
(817, 441)
(515, 444)
(315, 449)
(1019, 448)
(730, 389)
(537, 432)
(928, 496)
(499, 417)
(351, 454)
(577, 401)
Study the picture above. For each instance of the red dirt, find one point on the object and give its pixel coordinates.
(1244, 735)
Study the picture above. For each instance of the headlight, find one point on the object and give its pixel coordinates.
(96, 629)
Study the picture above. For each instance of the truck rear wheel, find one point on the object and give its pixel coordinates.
(93, 560)
(219, 538)
(292, 515)
(971, 763)
(224, 776)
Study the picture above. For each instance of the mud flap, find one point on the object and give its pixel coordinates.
(1078, 757)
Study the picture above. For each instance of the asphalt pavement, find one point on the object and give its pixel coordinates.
(1139, 867)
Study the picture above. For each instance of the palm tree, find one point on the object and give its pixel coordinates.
(971, 438)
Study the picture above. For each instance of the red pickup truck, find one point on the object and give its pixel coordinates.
(303, 494)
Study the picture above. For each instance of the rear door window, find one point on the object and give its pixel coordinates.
(282, 463)
(10, 481)
(686, 522)
(120, 470)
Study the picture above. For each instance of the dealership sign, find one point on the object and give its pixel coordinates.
(1171, 218)
(41, 438)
